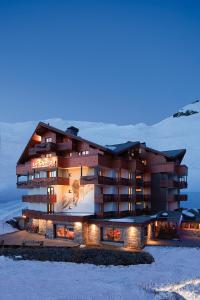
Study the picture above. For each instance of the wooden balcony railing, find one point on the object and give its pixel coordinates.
(43, 182)
(182, 197)
(106, 180)
(64, 146)
(142, 198)
(180, 184)
(39, 198)
(181, 170)
(170, 183)
(117, 198)
(42, 148)
(110, 198)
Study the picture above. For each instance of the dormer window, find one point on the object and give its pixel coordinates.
(86, 152)
(49, 140)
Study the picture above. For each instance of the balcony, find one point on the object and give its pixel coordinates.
(162, 168)
(125, 181)
(23, 169)
(142, 198)
(110, 198)
(170, 183)
(43, 182)
(182, 197)
(64, 146)
(105, 180)
(39, 198)
(42, 148)
(182, 170)
(126, 198)
(98, 180)
(180, 184)
(117, 198)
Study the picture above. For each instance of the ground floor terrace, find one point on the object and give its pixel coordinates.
(132, 232)
(125, 232)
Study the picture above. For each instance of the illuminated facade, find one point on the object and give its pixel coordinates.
(79, 190)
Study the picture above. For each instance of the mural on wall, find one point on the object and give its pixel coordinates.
(74, 195)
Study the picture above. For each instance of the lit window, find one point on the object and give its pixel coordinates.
(65, 231)
(138, 190)
(144, 162)
(138, 177)
(86, 152)
(48, 155)
(50, 208)
(112, 234)
(52, 174)
(49, 140)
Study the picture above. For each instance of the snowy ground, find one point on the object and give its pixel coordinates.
(8, 210)
(175, 270)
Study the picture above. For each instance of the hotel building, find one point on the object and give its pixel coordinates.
(93, 194)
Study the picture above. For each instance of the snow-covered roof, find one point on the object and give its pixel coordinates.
(118, 148)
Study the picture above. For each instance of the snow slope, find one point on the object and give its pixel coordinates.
(175, 270)
(171, 133)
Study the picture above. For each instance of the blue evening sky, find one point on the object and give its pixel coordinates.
(110, 61)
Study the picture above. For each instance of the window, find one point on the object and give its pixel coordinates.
(50, 208)
(52, 174)
(86, 152)
(37, 175)
(130, 190)
(50, 191)
(130, 206)
(112, 234)
(65, 231)
(144, 162)
(43, 174)
(49, 140)
(48, 155)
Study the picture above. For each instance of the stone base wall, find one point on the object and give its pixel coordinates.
(190, 232)
(150, 232)
(134, 237)
(92, 234)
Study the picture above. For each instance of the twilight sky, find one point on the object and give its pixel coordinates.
(111, 61)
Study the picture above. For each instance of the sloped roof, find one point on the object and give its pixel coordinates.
(115, 149)
(179, 153)
(119, 148)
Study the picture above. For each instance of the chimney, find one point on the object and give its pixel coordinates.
(72, 130)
